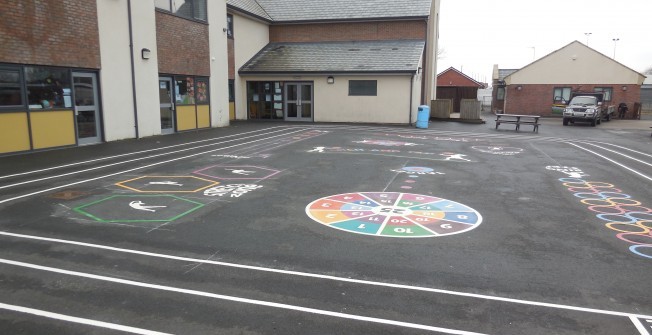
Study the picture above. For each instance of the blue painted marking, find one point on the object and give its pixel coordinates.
(464, 217)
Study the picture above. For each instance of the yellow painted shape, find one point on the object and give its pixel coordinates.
(52, 129)
(203, 116)
(186, 118)
(210, 183)
(14, 132)
(232, 110)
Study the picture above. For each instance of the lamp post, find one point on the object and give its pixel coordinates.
(587, 38)
(615, 41)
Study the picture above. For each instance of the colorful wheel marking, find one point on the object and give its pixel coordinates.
(394, 214)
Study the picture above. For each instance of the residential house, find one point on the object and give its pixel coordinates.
(455, 86)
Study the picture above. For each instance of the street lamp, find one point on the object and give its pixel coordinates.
(615, 40)
(587, 38)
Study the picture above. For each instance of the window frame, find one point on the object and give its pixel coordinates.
(21, 86)
(192, 10)
(206, 80)
(229, 26)
(363, 91)
(608, 90)
(500, 93)
(562, 88)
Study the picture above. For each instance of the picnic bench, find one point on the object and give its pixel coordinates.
(518, 120)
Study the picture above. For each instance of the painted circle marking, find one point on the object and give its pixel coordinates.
(394, 214)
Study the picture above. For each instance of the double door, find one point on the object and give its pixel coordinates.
(298, 101)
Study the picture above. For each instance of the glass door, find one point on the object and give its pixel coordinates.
(298, 102)
(166, 101)
(87, 109)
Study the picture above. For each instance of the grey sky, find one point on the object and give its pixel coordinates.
(476, 34)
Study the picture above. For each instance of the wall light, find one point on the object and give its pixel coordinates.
(145, 53)
(330, 80)
(519, 87)
(624, 88)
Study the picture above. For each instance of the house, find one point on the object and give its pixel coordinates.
(80, 72)
(330, 61)
(646, 94)
(455, 86)
(575, 67)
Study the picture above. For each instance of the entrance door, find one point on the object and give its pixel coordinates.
(298, 101)
(166, 96)
(87, 108)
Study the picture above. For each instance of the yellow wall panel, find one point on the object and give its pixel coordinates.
(14, 132)
(231, 111)
(52, 129)
(203, 116)
(186, 118)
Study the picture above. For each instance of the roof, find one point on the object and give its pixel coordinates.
(332, 10)
(457, 79)
(502, 73)
(394, 56)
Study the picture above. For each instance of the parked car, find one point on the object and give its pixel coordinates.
(586, 107)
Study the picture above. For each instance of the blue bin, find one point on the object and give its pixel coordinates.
(423, 116)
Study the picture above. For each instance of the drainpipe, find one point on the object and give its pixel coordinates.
(411, 98)
(133, 68)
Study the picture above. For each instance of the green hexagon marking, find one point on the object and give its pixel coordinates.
(143, 208)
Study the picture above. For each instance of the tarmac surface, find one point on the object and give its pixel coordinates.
(294, 228)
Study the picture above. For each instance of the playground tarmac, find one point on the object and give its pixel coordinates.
(292, 228)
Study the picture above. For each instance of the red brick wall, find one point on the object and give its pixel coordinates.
(360, 31)
(49, 32)
(182, 45)
(538, 99)
(231, 54)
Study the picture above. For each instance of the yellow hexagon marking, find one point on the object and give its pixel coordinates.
(171, 181)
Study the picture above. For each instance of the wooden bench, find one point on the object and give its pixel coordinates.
(518, 120)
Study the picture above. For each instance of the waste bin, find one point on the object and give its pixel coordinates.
(423, 116)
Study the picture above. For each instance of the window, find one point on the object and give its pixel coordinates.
(231, 90)
(203, 97)
(185, 90)
(500, 93)
(11, 93)
(561, 95)
(608, 92)
(192, 9)
(229, 25)
(47, 87)
(363, 87)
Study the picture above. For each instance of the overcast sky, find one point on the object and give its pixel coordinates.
(475, 34)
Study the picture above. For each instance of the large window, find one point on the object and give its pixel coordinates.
(608, 92)
(229, 25)
(48, 87)
(11, 93)
(231, 90)
(203, 98)
(191, 90)
(363, 87)
(265, 100)
(561, 95)
(500, 93)
(192, 9)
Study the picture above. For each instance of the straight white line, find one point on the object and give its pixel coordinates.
(624, 148)
(639, 326)
(139, 168)
(328, 277)
(129, 154)
(129, 161)
(75, 319)
(613, 161)
(238, 299)
(619, 153)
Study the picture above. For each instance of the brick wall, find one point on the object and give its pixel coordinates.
(538, 99)
(182, 45)
(49, 32)
(360, 31)
(231, 55)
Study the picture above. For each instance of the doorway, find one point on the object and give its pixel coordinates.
(87, 108)
(166, 101)
(298, 101)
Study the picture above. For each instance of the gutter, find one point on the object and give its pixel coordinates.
(133, 68)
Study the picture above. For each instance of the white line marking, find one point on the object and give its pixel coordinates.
(129, 154)
(129, 161)
(619, 153)
(327, 277)
(138, 168)
(238, 299)
(625, 148)
(639, 326)
(75, 319)
(613, 161)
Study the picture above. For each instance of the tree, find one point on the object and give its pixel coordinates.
(648, 71)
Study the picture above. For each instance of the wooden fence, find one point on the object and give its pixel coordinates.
(470, 109)
(441, 109)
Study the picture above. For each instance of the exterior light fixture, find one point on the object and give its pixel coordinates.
(624, 88)
(519, 87)
(330, 80)
(145, 53)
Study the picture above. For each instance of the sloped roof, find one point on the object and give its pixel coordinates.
(396, 56)
(332, 10)
(462, 80)
(502, 73)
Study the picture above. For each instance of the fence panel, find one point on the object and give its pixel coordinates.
(441, 109)
(470, 109)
